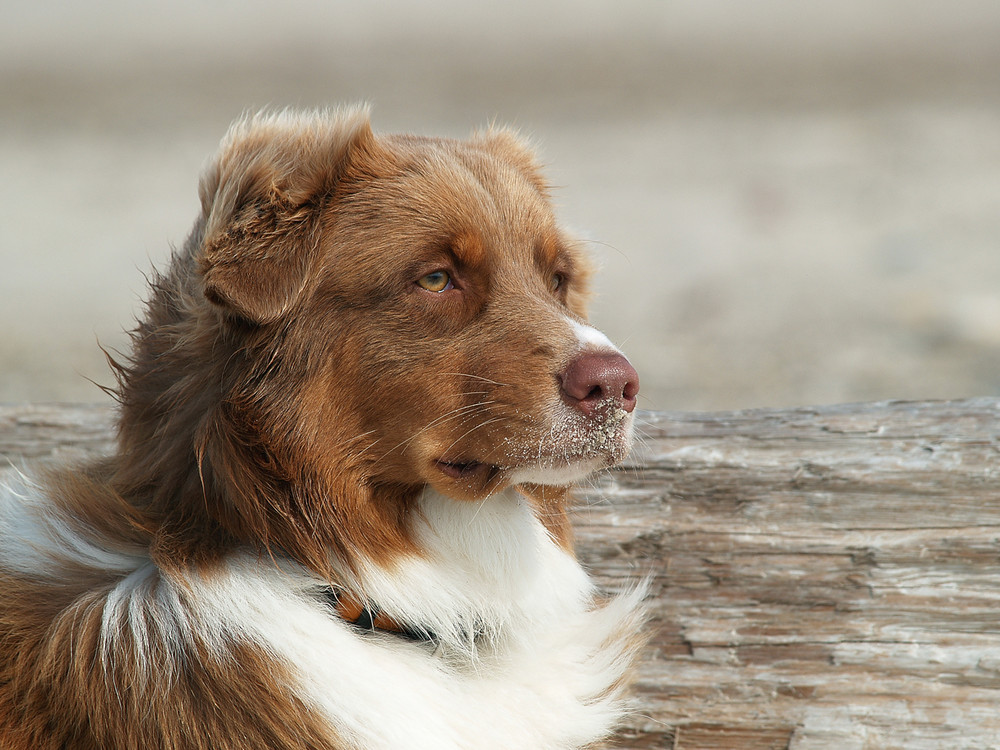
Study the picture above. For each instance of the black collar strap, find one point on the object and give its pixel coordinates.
(367, 617)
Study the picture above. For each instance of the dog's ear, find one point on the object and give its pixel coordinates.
(261, 200)
(512, 147)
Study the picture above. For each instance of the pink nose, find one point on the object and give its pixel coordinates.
(592, 379)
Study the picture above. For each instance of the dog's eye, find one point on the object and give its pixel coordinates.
(556, 282)
(438, 281)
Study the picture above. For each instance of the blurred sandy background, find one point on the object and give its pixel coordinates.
(795, 202)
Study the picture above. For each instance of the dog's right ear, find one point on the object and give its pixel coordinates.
(261, 199)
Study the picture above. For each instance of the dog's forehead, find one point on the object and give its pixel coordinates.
(462, 188)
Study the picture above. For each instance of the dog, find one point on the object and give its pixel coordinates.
(337, 512)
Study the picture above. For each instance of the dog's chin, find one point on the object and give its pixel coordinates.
(473, 480)
(598, 450)
(560, 473)
(583, 451)
(476, 482)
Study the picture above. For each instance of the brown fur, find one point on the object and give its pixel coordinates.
(285, 394)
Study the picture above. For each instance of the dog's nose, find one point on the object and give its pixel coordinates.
(594, 378)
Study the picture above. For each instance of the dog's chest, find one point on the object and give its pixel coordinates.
(489, 563)
(529, 678)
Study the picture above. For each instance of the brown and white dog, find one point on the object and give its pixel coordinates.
(337, 513)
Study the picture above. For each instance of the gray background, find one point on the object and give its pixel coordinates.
(793, 202)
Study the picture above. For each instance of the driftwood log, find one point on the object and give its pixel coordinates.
(822, 577)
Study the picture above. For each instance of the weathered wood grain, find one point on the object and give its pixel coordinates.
(822, 577)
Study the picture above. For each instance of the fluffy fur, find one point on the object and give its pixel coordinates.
(367, 372)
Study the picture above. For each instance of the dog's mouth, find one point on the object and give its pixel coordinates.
(467, 470)
(467, 479)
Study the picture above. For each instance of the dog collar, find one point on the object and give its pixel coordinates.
(367, 617)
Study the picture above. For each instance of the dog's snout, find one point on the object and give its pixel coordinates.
(595, 378)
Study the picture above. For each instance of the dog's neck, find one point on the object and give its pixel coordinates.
(486, 567)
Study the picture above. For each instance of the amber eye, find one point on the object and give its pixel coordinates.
(439, 281)
(556, 282)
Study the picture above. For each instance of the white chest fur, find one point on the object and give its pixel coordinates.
(541, 674)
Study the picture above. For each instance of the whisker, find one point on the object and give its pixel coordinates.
(364, 450)
(626, 340)
(470, 431)
(478, 377)
(488, 491)
(461, 411)
(481, 503)
(608, 245)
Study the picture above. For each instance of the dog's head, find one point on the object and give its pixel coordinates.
(423, 296)
(396, 312)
